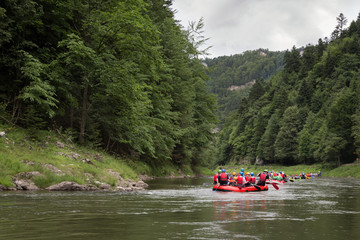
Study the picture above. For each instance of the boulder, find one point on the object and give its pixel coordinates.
(141, 184)
(2, 134)
(3, 188)
(85, 160)
(115, 174)
(30, 163)
(67, 186)
(60, 144)
(25, 184)
(98, 157)
(53, 169)
(28, 175)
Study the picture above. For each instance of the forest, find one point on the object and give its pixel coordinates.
(306, 113)
(121, 75)
(126, 77)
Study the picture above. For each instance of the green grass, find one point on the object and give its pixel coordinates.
(39, 147)
(348, 170)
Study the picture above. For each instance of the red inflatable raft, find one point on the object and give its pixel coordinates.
(227, 188)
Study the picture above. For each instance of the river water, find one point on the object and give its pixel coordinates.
(187, 209)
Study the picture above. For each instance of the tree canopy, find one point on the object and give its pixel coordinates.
(118, 74)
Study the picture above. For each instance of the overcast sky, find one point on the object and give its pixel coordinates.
(235, 26)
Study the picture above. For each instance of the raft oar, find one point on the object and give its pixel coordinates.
(217, 187)
(275, 186)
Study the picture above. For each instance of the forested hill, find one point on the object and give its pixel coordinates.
(118, 74)
(309, 112)
(232, 76)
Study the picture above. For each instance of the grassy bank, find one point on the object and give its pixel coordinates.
(57, 159)
(347, 170)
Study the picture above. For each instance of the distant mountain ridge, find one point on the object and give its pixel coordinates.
(230, 76)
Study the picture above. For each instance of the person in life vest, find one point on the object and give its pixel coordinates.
(284, 176)
(262, 178)
(223, 178)
(233, 183)
(253, 179)
(240, 180)
(247, 179)
(274, 176)
(296, 176)
(216, 177)
(231, 180)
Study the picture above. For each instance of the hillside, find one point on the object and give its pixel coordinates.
(38, 159)
(306, 113)
(232, 76)
(122, 76)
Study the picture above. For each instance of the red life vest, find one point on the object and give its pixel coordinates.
(240, 180)
(262, 177)
(215, 177)
(282, 175)
(247, 179)
(223, 177)
(253, 180)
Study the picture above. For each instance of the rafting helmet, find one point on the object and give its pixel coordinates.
(248, 173)
(242, 169)
(223, 170)
(233, 173)
(280, 171)
(219, 171)
(252, 174)
(265, 170)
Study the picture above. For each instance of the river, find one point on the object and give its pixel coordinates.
(187, 209)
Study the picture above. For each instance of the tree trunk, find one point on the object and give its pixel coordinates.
(72, 117)
(84, 110)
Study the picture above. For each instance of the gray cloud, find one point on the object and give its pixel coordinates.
(235, 26)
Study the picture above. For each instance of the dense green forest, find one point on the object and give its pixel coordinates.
(122, 75)
(308, 112)
(232, 76)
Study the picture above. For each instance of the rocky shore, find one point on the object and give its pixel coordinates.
(23, 181)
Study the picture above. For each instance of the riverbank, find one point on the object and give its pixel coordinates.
(346, 170)
(35, 159)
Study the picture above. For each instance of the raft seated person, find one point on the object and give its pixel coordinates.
(232, 180)
(263, 176)
(247, 179)
(253, 179)
(216, 177)
(240, 180)
(223, 178)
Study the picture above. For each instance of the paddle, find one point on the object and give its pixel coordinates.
(217, 187)
(256, 186)
(275, 186)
